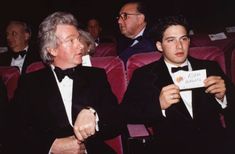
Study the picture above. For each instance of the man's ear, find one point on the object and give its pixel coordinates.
(141, 17)
(27, 36)
(159, 46)
(52, 51)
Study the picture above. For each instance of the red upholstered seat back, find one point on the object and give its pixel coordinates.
(226, 45)
(115, 71)
(10, 76)
(35, 66)
(209, 53)
(105, 49)
(141, 59)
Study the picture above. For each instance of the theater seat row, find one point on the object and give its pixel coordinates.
(118, 75)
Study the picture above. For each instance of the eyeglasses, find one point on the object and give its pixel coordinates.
(124, 15)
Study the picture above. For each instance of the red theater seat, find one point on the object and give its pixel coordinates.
(35, 66)
(105, 49)
(10, 76)
(209, 53)
(115, 71)
(141, 59)
(226, 45)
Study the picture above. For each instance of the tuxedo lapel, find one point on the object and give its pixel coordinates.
(79, 88)
(163, 79)
(55, 101)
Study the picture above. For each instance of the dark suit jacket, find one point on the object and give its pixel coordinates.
(3, 117)
(178, 132)
(42, 115)
(31, 56)
(125, 51)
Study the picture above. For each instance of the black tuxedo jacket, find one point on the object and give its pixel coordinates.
(41, 112)
(178, 132)
(3, 117)
(31, 56)
(125, 50)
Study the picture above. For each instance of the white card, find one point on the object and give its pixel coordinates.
(190, 79)
(230, 29)
(218, 36)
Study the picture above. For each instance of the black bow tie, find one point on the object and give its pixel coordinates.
(97, 40)
(70, 72)
(16, 54)
(139, 38)
(175, 69)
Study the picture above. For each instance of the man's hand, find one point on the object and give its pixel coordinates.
(169, 95)
(85, 124)
(68, 145)
(215, 85)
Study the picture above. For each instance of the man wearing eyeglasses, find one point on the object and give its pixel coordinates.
(132, 22)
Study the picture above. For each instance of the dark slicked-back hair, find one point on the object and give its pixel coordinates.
(163, 23)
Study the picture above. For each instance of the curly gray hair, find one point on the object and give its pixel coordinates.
(47, 29)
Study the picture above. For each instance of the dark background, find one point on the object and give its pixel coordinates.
(203, 15)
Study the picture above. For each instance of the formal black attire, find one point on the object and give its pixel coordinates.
(178, 132)
(3, 117)
(42, 114)
(126, 50)
(32, 55)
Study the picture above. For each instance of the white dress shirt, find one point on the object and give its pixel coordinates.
(19, 61)
(140, 34)
(66, 91)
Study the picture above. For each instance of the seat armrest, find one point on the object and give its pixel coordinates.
(137, 130)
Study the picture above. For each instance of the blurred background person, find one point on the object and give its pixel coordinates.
(88, 42)
(95, 29)
(133, 25)
(89, 47)
(21, 51)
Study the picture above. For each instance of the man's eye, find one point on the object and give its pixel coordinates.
(170, 40)
(185, 38)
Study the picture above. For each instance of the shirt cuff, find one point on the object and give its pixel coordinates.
(222, 103)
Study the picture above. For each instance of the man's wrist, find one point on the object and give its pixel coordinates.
(91, 109)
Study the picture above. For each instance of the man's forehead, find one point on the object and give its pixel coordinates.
(129, 7)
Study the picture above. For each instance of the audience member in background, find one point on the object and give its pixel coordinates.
(88, 42)
(50, 101)
(95, 29)
(3, 117)
(133, 24)
(88, 47)
(21, 51)
(186, 121)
